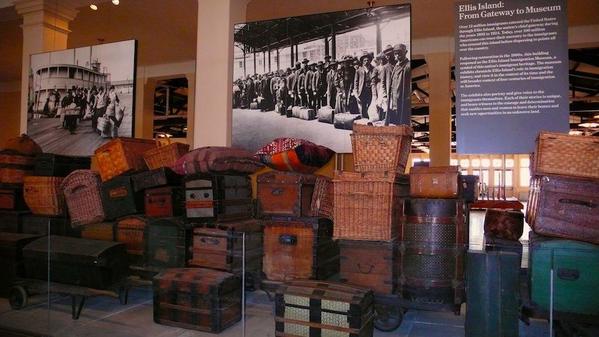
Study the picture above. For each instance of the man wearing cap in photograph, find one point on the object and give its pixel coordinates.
(327, 61)
(340, 98)
(375, 107)
(292, 85)
(319, 85)
(385, 76)
(361, 88)
(331, 90)
(308, 84)
(301, 84)
(401, 89)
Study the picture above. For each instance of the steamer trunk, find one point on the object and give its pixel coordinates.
(165, 201)
(370, 264)
(285, 194)
(53, 165)
(218, 197)
(119, 199)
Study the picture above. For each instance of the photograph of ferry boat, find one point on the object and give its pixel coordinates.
(81, 98)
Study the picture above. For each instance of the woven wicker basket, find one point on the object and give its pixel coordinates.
(83, 197)
(122, 155)
(381, 148)
(563, 154)
(322, 198)
(43, 195)
(165, 155)
(368, 206)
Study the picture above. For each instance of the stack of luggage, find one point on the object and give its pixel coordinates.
(563, 211)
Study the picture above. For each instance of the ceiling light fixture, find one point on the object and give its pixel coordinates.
(93, 7)
(115, 2)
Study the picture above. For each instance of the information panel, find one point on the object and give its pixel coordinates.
(511, 72)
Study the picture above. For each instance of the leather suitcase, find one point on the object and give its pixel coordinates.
(370, 264)
(197, 298)
(299, 248)
(163, 176)
(168, 242)
(11, 258)
(433, 240)
(435, 182)
(306, 114)
(316, 308)
(470, 189)
(12, 221)
(122, 155)
(218, 197)
(576, 276)
(325, 114)
(53, 165)
(345, 121)
(165, 201)
(492, 291)
(104, 231)
(130, 231)
(82, 262)
(48, 225)
(11, 198)
(220, 246)
(285, 194)
(564, 207)
(119, 199)
(504, 224)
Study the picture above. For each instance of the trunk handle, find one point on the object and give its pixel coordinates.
(211, 241)
(588, 204)
(277, 191)
(568, 274)
(367, 272)
(288, 239)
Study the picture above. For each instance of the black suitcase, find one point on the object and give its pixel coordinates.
(11, 258)
(119, 199)
(81, 262)
(492, 292)
(53, 165)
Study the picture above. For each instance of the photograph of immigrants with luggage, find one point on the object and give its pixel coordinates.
(317, 75)
(81, 98)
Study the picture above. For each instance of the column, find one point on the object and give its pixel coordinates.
(439, 67)
(45, 28)
(292, 54)
(333, 43)
(269, 69)
(326, 46)
(255, 70)
(379, 42)
(191, 102)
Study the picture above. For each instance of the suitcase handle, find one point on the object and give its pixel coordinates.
(277, 191)
(365, 272)
(288, 239)
(568, 274)
(578, 202)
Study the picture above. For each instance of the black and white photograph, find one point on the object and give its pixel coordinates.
(312, 77)
(81, 98)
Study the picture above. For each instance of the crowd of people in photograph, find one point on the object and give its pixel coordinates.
(376, 87)
(100, 105)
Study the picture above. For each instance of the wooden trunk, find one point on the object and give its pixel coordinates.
(433, 244)
(300, 249)
(564, 207)
(44, 225)
(12, 221)
(370, 264)
(100, 231)
(155, 178)
(122, 155)
(285, 194)
(435, 182)
(119, 199)
(11, 258)
(130, 231)
(11, 198)
(165, 201)
(167, 243)
(218, 197)
(197, 298)
(53, 165)
(82, 262)
(316, 308)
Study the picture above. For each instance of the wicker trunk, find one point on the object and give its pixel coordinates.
(122, 155)
(218, 197)
(316, 308)
(285, 194)
(11, 198)
(370, 264)
(167, 201)
(381, 148)
(44, 195)
(300, 249)
(197, 298)
(435, 182)
(83, 197)
(119, 199)
(322, 198)
(368, 206)
(567, 155)
(164, 156)
(53, 165)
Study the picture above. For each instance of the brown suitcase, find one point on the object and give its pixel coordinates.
(11, 198)
(370, 264)
(567, 155)
(300, 249)
(165, 201)
(43, 195)
(220, 246)
(434, 182)
(130, 231)
(564, 207)
(197, 298)
(433, 240)
(504, 224)
(316, 308)
(122, 155)
(285, 194)
(99, 231)
(322, 198)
